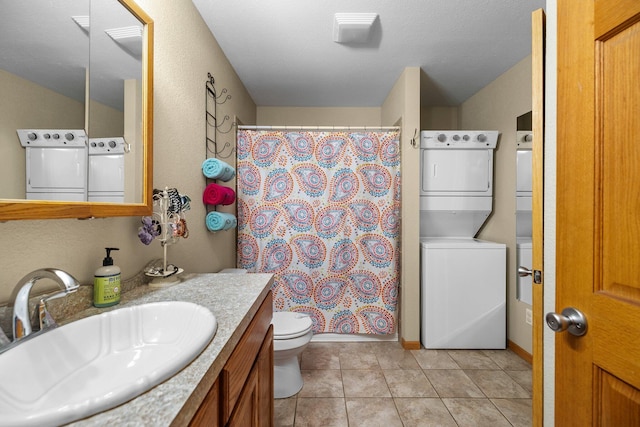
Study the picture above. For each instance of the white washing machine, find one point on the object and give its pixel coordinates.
(463, 294)
(463, 279)
(56, 164)
(106, 170)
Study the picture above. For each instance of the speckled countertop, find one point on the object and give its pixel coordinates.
(233, 299)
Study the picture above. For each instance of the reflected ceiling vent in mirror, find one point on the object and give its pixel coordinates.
(83, 22)
(129, 38)
(353, 27)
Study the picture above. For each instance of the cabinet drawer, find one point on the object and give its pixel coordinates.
(235, 372)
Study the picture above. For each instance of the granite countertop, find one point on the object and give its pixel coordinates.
(233, 299)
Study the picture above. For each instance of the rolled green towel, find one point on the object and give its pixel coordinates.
(217, 169)
(218, 221)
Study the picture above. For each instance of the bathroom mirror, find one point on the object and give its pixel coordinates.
(524, 145)
(61, 84)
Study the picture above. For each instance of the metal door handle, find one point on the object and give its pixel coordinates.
(571, 320)
(524, 271)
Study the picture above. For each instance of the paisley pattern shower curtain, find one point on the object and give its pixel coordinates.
(321, 211)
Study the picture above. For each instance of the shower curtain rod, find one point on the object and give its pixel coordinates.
(320, 128)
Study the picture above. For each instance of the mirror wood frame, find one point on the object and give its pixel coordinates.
(11, 209)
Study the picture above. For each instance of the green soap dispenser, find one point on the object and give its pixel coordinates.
(106, 282)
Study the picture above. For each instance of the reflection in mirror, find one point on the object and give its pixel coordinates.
(120, 91)
(115, 92)
(524, 142)
(42, 77)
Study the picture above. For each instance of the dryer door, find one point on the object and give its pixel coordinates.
(56, 169)
(106, 173)
(456, 172)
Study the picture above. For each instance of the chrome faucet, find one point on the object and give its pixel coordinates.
(20, 321)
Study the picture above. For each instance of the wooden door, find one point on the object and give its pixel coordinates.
(598, 211)
(537, 170)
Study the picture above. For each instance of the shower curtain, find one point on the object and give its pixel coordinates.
(321, 211)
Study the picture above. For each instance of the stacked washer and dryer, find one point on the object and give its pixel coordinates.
(61, 165)
(463, 279)
(523, 213)
(56, 164)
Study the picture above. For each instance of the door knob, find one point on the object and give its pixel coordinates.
(571, 320)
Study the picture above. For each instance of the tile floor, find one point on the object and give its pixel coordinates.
(381, 384)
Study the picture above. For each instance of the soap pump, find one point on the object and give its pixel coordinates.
(106, 282)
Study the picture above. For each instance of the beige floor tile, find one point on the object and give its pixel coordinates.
(452, 383)
(383, 346)
(331, 345)
(517, 411)
(397, 358)
(321, 383)
(372, 412)
(353, 360)
(355, 347)
(508, 360)
(434, 359)
(495, 383)
(472, 359)
(420, 412)
(321, 412)
(320, 357)
(475, 413)
(447, 385)
(363, 383)
(524, 378)
(284, 412)
(408, 383)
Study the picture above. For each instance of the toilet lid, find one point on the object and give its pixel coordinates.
(287, 324)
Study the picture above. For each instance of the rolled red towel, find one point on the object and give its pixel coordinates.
(215, 194)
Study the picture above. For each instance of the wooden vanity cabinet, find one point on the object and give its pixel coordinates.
(242, 395)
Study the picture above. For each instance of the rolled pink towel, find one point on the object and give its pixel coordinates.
(215, 194)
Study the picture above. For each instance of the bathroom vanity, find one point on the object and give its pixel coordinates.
(231, 381)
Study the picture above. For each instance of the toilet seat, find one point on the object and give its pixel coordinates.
(289, 325)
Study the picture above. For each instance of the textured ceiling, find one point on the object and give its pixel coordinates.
(285, 55)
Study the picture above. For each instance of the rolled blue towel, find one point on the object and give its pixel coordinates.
(217, 221)
(217, 169)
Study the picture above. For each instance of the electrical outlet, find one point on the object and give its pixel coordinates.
(528, 316)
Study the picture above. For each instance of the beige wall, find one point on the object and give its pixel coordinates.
(104, 121)
(26, 105)
(185, 51)
(439, 118)
(310, 116)
(402, 107)
(497, 106)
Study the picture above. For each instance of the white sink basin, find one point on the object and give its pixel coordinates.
(99, 362)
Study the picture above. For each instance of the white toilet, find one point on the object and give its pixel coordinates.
(291, 334)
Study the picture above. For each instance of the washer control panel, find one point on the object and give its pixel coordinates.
(48, 138)
(460, 139)
(113, 145)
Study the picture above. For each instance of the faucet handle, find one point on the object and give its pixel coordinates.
(21, 322)
(45, 319)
